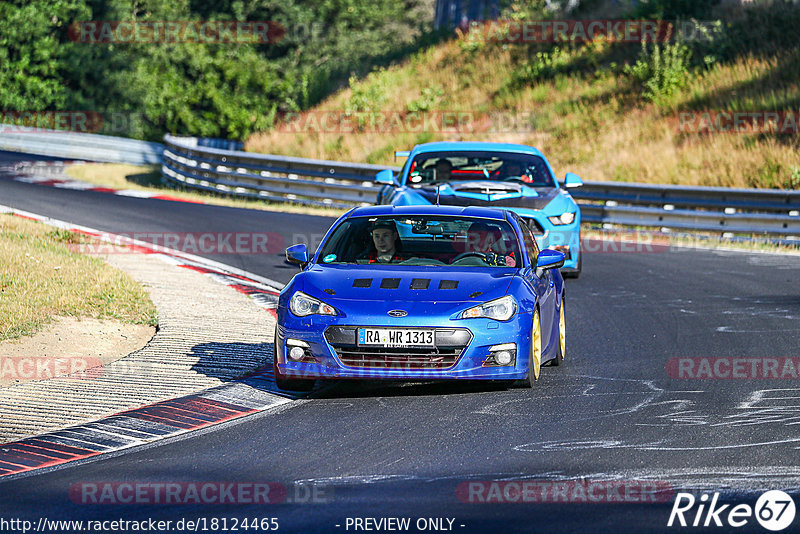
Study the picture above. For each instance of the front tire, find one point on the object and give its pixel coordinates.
(535, 356)
(576, 272)
(562, 339)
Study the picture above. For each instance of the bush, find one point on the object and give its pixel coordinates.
(203, 89)
(428, 100)
(660, 70)
(368, 95)
(542, 65)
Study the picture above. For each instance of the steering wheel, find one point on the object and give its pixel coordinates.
(463, 255)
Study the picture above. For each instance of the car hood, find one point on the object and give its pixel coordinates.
(490, 193)
(376, 285)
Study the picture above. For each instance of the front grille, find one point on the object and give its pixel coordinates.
(450, 344)
(394, 358)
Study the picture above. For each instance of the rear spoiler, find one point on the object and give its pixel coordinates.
(401, 154)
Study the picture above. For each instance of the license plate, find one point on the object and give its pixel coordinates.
(395, 337)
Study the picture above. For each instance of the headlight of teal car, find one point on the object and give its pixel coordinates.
(303, 305)
(565, 218)
(501, 309)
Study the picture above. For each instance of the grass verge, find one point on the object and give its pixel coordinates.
(43, 278)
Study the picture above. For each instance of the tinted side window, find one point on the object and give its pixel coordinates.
(530, 241)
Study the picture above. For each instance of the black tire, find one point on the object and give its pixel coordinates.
(534, 359)
(562, 331)
(576, 272)
(283, 383)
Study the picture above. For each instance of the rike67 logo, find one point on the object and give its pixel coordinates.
(774, 510)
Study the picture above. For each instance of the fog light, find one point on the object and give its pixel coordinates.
(298, 349)
(296, 354)
(503, 357)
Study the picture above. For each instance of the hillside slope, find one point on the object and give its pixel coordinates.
(606, 110)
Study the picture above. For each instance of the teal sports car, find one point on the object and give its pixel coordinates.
(498, 175)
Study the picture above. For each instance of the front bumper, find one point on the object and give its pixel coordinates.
(327, 359)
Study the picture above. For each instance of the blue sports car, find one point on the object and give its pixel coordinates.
(515, 177)
(421, 293)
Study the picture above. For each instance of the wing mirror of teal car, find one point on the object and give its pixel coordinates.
(385, 177)
(572, 180)
(297, 255)
(550, 259)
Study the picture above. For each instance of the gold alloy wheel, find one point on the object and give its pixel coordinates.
(562, 333)
(536, 347)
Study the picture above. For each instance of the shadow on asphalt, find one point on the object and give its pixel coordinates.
(338, 389)
(228, 361)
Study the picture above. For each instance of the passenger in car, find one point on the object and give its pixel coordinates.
(444, 170)
(489, 240)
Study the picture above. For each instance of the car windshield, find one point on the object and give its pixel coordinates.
(423, 240)
(438, 167)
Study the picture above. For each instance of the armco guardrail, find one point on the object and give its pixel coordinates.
(679, 196)
(221, 166)
(80, 146)
(275, 178)
(714, 209)
(337, 184)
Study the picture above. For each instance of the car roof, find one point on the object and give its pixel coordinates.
(430, 210)
(474, 146)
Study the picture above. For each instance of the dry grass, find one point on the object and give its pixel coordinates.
(148, 178)
(587, 122)
(42, 278)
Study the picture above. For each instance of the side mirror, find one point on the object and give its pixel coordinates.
(572, 180)
(297, 255)
(385, 177)
(550, 259)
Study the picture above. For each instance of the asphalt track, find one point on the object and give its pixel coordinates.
(610, 412)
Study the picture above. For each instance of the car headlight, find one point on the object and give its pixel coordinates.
(501, 309)
(303, 305)
(565, 218)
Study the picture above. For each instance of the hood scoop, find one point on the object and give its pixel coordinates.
(390, 283)
(486, 187)
(420, 283)
(394, 283)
